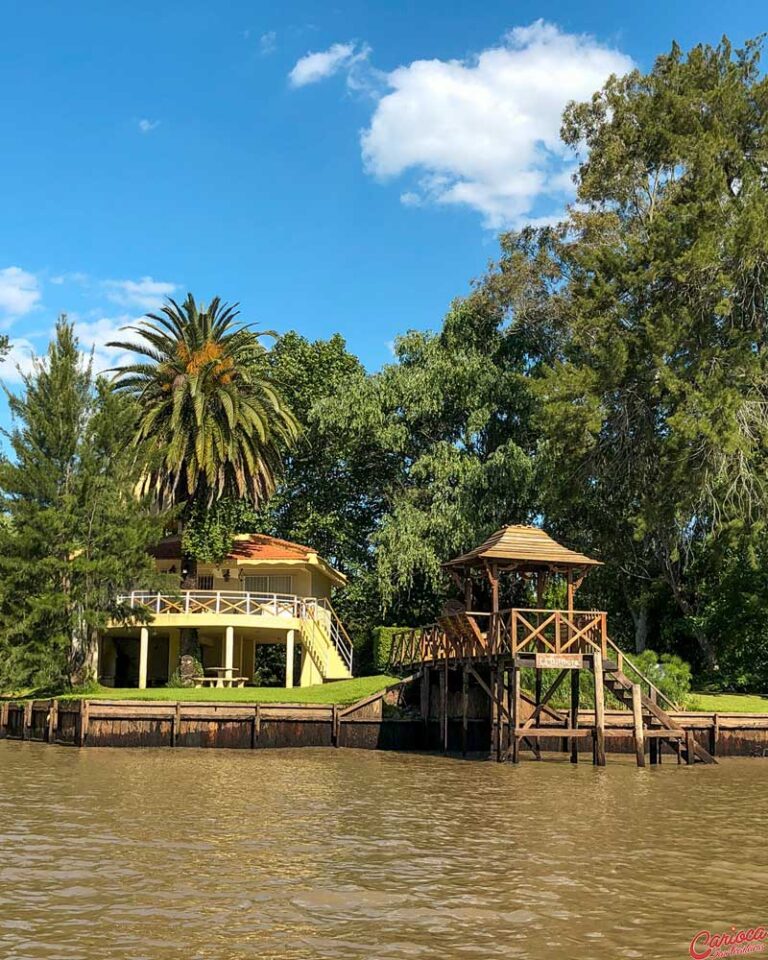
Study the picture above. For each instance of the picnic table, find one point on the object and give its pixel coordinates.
(220, 677)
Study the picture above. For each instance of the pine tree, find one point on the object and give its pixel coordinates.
(72, 532)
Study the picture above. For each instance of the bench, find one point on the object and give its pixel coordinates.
(219, 681)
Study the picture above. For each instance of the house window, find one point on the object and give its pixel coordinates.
(281, 584)
(205, 583)
(268, 584)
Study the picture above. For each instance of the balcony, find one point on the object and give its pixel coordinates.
(223, 603)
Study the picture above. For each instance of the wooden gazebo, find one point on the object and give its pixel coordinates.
(520, 551)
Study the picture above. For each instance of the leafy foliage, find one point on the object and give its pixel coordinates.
(72, 534)
(211, 424)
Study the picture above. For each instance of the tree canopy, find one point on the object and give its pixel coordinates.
(73, 535)
(211, 424)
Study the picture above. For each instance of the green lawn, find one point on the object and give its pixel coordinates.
(728, 703)
(341, 692)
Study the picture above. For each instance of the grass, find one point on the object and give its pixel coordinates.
(340, 692)
(728, 702)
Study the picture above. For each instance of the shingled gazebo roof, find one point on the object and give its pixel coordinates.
(522, 548)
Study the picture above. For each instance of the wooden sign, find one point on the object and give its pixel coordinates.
(559, 661)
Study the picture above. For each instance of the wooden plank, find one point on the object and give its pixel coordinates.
(53, 720)
(176, 724)
(26, 728)
(514, 722)
(366, 701)
(690, 748)
(464, 708)
(425, 681)
(574, 716)
(552, 689)
(637, 717)
(647, 734)
(84, 721)
(335, 726)
(444, 705)
(575, 733)
(503, 715)
(599, 744)
(256, 729)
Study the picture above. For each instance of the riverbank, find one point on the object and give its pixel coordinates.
(363, 724)
(341, 692)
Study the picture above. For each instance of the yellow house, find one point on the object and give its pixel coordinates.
(266, 591)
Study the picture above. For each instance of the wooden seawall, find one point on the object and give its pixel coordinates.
(363, 725)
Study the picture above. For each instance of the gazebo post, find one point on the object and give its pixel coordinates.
(493, 576)
(468, 599)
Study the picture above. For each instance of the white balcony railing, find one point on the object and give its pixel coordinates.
(234, 602)
(219, 602)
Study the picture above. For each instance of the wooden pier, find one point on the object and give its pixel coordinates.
(491, 648)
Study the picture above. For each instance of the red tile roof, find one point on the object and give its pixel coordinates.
(261, 547)
(257, 547)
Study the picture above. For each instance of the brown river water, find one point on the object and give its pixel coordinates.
(148, 854)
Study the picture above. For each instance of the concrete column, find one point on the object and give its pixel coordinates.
(143, 657)
(174, 646)
(229, 650)
(289, 658)
(310, 675)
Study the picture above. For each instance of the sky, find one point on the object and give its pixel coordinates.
(333, 167)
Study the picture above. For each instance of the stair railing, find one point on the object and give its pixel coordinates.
(333, 627)
(653, 691)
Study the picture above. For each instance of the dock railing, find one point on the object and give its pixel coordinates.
(479, 635)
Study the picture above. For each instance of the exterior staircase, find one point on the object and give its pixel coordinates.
(621, 687)
(326, 641)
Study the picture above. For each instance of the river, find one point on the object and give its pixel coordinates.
(130, 854)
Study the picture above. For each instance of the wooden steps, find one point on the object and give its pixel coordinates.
(660, 724)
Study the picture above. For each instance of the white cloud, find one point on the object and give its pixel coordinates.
(318, 66)
(147, 126)
(93, 336)
(77, 277)
(19, 292)
(146, 293)
(18, 362)
(484, 132)
(268, 43)
(96, 334)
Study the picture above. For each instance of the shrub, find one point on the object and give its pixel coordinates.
(176, 681)
(670, 673)
(382, 646)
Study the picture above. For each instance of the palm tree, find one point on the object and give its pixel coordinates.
(211, 423)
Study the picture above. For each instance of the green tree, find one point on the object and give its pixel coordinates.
(73, 535)
(445, 437)
(326, 496)
(211, 424)
(655, 414)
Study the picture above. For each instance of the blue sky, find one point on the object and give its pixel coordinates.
(333, 167)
